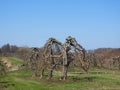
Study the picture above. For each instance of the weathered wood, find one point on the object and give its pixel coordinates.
(55, 52)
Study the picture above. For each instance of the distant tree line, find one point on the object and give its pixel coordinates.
(108, 58)
(13, 50)
(7, 48)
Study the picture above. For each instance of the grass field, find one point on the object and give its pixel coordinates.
(96, 79)
(15, 61)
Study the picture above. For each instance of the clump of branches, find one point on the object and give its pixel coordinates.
(54, 53)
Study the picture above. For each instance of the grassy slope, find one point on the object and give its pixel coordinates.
(15, 61)
(95, 80)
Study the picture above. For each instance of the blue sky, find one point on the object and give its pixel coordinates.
(94, 23)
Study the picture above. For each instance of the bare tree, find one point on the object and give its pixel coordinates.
(5, 49)
(116, 61)
(56, 53)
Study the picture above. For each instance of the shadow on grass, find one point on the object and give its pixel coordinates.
(94, 72)
(86, 78)
(5, 84)
(98, 72)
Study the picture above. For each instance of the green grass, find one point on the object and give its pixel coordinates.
(0, 58)
(22, 80)
(16, 83)
(96, 79)
(15, 61)
(22, 84)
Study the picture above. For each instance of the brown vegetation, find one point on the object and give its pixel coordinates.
(107, 58)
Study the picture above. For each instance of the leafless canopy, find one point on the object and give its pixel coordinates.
(55, 53)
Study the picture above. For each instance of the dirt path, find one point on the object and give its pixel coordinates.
(9, 64)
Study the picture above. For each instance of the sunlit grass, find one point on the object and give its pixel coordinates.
(15, 61)
(95, 79)
(22, 80)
